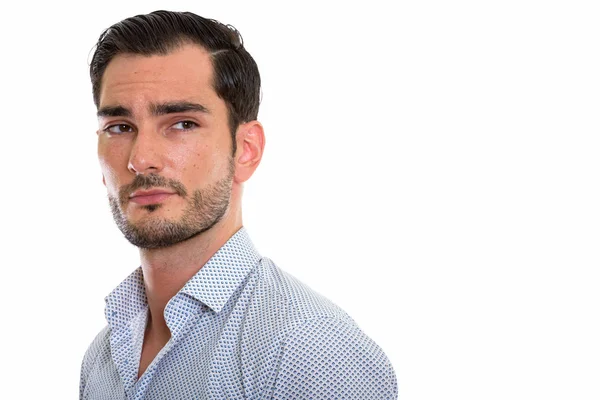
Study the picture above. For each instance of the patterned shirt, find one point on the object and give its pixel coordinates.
(240, 329)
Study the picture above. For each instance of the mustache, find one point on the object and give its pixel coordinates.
(148, 182)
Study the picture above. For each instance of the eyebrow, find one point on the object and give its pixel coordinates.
(177, 107)
(113, 111)
(155, 109)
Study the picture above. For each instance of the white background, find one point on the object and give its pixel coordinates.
(431, 167)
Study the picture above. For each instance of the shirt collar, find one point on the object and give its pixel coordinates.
(219, 278)
(126, 301)
(213, 285)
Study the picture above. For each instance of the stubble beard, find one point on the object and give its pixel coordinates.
(205, 209)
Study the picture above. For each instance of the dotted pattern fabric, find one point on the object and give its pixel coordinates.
(241, 328)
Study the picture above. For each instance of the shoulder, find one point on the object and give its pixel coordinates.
(276, 305)
(322, 353)
(299, 301)
(333, 358)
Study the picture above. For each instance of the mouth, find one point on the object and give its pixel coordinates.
(146, 197)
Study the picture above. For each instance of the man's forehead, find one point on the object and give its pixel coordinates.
(184, 70)
(185, 63)
(187, 53)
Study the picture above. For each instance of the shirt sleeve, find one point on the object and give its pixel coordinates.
(327, 358)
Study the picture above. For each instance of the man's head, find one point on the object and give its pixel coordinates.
(177, 98)
(236, 76)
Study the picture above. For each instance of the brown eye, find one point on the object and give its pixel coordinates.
(185, 125)
(119, 129)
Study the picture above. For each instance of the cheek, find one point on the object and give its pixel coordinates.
(110, 177)
(113, 164)
(201, 165)
(213, 164)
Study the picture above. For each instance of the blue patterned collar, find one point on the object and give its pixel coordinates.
(219, 278)
(213, 285)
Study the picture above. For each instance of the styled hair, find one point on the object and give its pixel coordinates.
(236, 77)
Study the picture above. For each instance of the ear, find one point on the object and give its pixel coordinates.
(250, 139)
(103, 180)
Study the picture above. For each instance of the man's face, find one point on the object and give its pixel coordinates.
(164, 146)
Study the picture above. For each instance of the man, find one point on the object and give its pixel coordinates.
(205, 316)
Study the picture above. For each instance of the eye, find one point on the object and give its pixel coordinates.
(118, 129)
(185, 125)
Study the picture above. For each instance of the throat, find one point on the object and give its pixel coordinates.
(154, 340)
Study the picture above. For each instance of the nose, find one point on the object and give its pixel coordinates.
(146, 155)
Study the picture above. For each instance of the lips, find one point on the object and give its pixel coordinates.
(154, 196)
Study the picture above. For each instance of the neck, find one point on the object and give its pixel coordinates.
(167, 270)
